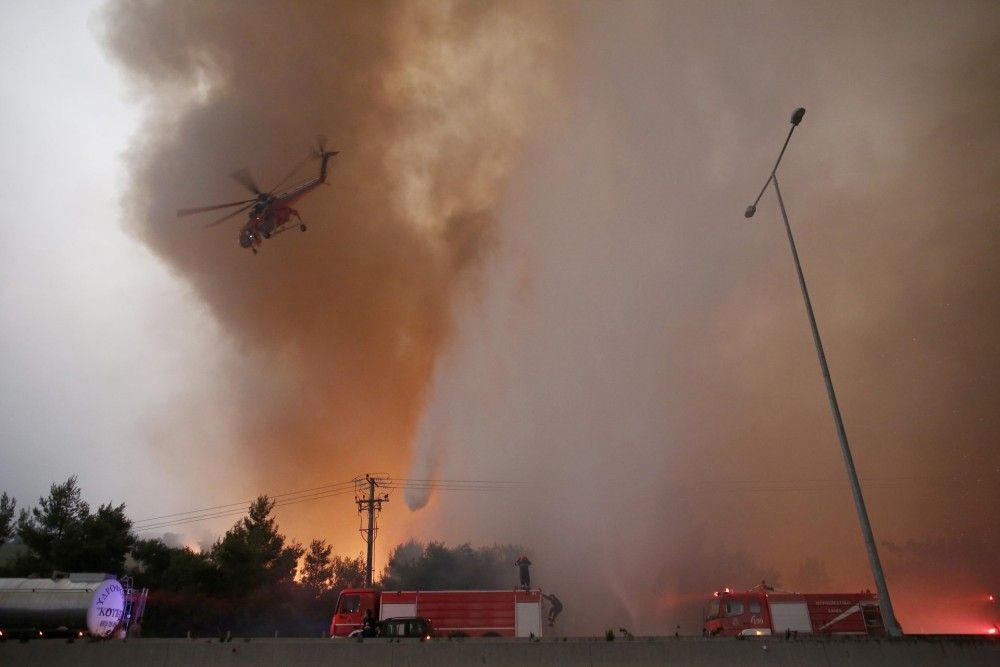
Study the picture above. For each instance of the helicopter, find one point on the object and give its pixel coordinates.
(267, 213)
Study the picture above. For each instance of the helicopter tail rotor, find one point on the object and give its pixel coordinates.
(320, 145)
(320, 150)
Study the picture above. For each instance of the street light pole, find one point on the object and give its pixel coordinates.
(885, 603)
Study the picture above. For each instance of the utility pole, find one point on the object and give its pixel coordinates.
(364, 496)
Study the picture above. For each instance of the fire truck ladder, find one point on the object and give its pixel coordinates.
(873, 619)
(135, 606)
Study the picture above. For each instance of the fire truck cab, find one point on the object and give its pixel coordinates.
(351, 608)
(764, 611)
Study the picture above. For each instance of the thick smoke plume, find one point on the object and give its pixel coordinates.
(642, 357)
(429, 104)
(625, 344)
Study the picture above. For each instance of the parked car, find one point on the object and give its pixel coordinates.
(401, 627)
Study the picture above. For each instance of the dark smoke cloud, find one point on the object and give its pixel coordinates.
(340, 327)
(624, 343)
(642, 356)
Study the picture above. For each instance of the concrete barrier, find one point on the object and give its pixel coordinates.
(685, 651)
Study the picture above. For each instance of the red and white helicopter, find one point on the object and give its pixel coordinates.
(268, 213)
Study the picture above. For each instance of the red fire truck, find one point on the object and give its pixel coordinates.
(764, 611)
(510, 613)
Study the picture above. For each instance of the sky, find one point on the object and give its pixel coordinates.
(531, 266)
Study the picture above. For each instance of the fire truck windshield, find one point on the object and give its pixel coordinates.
(713, 610)
(350, 604)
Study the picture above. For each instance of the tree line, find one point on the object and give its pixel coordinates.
(251, 582)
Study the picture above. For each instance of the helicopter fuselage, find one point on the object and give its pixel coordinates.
(270, 215)
(264, 224)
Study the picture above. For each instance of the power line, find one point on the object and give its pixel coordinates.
(454, 485)
(237, 512)
(236, 508)
(245, 503)
(315, 493)
(444, 485)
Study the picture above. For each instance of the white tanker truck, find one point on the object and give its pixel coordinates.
(75, 604)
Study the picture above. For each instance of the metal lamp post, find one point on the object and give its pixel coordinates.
(885, 603)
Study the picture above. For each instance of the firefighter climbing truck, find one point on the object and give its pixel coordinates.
(507, 613)
(764, 611)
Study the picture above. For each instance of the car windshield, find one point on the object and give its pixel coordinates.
(403, 627)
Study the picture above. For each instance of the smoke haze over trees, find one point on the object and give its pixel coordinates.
(532, 264)
(252, 581)
(435, 566)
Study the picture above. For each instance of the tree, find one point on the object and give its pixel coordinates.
(253, 554)
(317, 569)
(323, 577)
(7, 507)
(166, 568)
(348, 572)
(62, 534)
(178, 580)
(104, 538)
(48, 530)
(322, 572)
(438, 567)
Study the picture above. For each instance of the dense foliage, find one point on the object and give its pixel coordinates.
(7, 507)
(251, 582)
(415, 566)
(62, 534)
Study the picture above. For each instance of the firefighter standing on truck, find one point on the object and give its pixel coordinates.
(523, 564)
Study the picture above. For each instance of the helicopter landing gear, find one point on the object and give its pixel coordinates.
(302, 227)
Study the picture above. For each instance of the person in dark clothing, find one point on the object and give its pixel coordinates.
(523, 564)
(368, 625)
(555, 606)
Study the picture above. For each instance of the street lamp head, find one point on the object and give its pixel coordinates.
(797, 115)
(751, 209)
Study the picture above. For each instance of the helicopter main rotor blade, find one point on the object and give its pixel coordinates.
(243, 177)
(230, 215)
(202, 209)
(290, 174)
